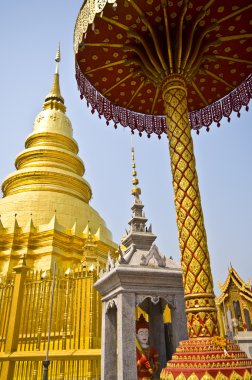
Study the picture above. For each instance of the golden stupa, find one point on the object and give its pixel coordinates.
(45, 211)
(53, 245)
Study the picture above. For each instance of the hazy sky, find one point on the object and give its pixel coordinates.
(29, 33)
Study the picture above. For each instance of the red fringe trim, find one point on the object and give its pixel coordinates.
(204, 117)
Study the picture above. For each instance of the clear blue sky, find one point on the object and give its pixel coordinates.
(29, 33)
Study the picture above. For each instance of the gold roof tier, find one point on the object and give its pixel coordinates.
(234, 285)
(48, 179)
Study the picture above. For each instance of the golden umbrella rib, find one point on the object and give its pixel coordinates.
(208, 5)
(141, 56)
(199, 93)
(155, 100)
(133, 34)
(206, 46)
(126, 48)
(136, 36)
(103, 44)
(212, 57)
(218, 78)
(199, 17)
(135, 94)
(236, 37)
(191, 74)
(143, 70)
(116, 23)
(199, 44)
(235, 13)
(152, 32)
(168, 40)
(118, 83)
(180, 35)
(106, 66)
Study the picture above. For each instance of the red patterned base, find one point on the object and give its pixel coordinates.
(208, 359)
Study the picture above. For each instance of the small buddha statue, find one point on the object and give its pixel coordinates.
(146, 356)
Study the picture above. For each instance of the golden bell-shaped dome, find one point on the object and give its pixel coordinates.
(53, 120)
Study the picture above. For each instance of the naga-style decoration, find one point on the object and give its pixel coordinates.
(164, 66)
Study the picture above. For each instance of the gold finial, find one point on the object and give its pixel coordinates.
(57, 59)
(54, 98)
(136, 191)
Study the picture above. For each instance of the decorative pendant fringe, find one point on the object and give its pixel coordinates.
(204, 117)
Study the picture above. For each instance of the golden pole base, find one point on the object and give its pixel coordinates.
(208, 359)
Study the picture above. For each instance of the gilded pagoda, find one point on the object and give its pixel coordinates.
(47, 223)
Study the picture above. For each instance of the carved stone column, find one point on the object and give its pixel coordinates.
(109, 344)
(126, 337)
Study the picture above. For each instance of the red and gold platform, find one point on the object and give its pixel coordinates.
(205, 359)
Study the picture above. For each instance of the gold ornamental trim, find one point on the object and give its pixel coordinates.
(61, 181)
(198, 309)
(50, 157)
(174, 81)
(193, 376)
(51, 139)
(86, 16)
(199, 295)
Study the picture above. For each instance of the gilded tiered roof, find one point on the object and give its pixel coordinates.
(233, 279)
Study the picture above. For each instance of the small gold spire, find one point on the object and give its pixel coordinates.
(57, 60)
(54, 98)
(136, 191)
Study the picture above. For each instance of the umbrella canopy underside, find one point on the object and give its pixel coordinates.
(126, 50)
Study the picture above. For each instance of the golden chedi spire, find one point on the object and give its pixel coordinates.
(139, 236)
(54, 98)
(48, 183)
(50, 159)
(136, 191)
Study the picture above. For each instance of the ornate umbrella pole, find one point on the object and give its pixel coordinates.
(165, 66)
(197, 277)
